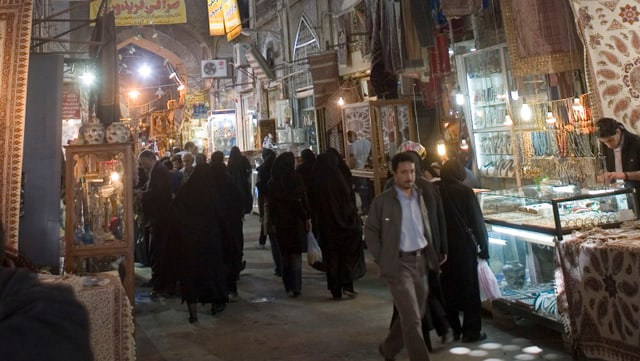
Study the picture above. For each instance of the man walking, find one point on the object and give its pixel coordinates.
(398, 235)
(155, 199)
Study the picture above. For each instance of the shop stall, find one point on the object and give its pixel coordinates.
(525, 226)
(379, 128)
(598, 298)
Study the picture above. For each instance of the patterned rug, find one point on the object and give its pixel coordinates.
(599, 294)
(611, 36)
(15, 34)
(110, 313)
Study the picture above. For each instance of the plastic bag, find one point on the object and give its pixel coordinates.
(489, 288)
(314, 253)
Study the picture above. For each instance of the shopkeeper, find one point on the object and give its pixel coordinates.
(622, 152)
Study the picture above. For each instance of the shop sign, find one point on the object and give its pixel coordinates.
(70, 104)
(143, 12)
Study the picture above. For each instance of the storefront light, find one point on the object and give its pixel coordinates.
(577, 106)
(550, 118)
(525, 111)
(464, 145)
(508, 121)
(340, 101)
(441, 148)
(459, 99)
(87, 78)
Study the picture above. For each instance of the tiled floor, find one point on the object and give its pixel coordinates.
(265, 325)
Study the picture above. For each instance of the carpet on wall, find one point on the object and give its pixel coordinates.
(611, 35)
(15, 34)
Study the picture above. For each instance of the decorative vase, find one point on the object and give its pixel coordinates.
(92, 133)
(514, 274)
(117, 132)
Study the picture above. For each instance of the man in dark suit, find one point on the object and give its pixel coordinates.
(156, 198)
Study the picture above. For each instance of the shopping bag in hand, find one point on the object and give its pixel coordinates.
(314, 253)
(489, 288)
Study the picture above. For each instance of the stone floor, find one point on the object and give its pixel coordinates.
(266, 325)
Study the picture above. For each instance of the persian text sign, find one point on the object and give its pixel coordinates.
(70, 104)
(216, 17)
(143, 12)
(232, 22)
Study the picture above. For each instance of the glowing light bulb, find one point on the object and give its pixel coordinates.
(144, 70)
(441, 148)
(577, 106)
(133, 94)
(550, 118)
(459, 99)
(87, 78)
(115, 176)
(525, 112)
(508, 121)
(180, 87)
(340, 101)
(464, 145)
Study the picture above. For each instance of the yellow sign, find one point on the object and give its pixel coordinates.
(232, 22)
(144, 12)
(216, 18)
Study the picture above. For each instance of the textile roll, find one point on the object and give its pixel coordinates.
(15, 35)
(542, 44)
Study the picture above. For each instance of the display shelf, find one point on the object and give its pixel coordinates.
(524, 225)
(99, 210)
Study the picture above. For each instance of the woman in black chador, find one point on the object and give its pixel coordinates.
(467, 240)
(199, 254)
(289, 211)
(339, 226)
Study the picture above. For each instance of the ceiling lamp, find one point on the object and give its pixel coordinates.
(525, 111)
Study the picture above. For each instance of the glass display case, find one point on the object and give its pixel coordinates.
(524, 225)
(99, 210)
(485, 77)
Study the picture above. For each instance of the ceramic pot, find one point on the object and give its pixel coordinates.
(117, 132)
(93, 133)
(514, 274)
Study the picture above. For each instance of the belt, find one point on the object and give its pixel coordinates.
(417, 252)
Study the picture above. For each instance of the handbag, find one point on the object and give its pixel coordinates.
(489, 287)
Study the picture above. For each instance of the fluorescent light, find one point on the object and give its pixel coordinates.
(535, 237)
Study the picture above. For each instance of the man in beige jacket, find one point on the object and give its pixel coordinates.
(399, 235)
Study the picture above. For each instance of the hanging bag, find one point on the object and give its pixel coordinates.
(489, 287)
(314, 253)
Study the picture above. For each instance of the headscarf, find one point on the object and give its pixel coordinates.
(453, 171)
(283, 171)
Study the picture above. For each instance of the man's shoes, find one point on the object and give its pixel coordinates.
(381, 351)
(349, 291)
(480, 337)
(217, 308)
(448, 337)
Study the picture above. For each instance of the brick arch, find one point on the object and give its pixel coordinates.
(177, 61)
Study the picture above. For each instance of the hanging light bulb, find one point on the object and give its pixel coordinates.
(514, 95)
(340, 101)
(550, 118)
(577, 106)
(525, 111)
(464, 145)
(459, 99)
(508, 121)
(441, 148)
(180, 87)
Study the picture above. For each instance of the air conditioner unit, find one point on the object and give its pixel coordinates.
(216, 68)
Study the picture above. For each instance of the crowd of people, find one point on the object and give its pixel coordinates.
(425, 232)
(190, 216)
